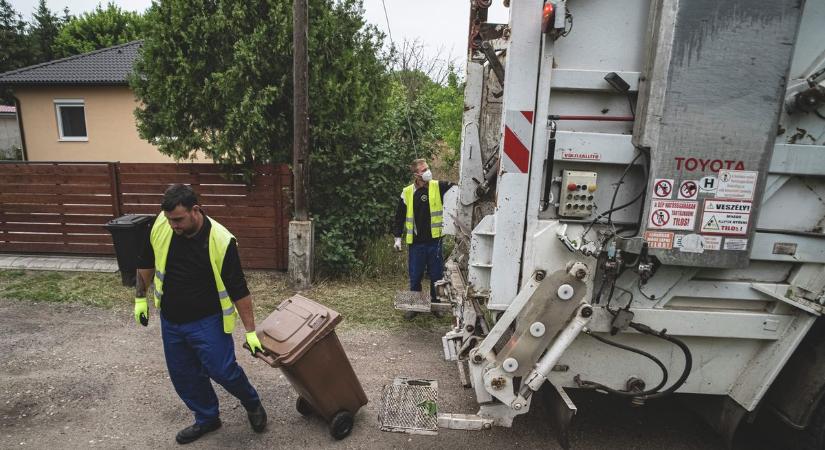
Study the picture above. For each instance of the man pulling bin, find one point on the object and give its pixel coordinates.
(199, 288)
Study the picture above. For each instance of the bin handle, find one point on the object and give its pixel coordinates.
(319, 319)
(262, 356)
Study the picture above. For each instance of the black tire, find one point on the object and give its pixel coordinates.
(303, 407)
(813, 437)
(341, 425)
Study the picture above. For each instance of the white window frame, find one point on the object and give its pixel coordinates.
(59, 102)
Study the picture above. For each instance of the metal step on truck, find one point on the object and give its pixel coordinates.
(641, 209)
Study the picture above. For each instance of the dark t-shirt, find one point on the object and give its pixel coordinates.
(421, 212)
(189, 291)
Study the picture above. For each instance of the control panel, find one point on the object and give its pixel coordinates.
(578, 190)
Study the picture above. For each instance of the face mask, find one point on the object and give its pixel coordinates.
(427, 176)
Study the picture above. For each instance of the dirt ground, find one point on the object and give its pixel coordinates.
(84, 377)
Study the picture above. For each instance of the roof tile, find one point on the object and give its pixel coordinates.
(111, 65)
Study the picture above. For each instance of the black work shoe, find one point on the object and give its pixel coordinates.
(193, 433)
(410, 315)
(257, 418)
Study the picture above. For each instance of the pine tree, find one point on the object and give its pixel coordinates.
(45, 27)
(14, 49)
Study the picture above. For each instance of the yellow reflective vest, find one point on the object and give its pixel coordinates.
(436, 210)
(219, 240)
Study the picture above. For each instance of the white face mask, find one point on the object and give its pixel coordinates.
(427, 176)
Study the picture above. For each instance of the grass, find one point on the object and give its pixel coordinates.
(365, 302)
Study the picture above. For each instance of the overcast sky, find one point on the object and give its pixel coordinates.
(439, 24)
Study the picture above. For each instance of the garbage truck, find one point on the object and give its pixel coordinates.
(641, 210)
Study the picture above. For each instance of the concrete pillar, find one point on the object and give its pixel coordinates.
(301, 253)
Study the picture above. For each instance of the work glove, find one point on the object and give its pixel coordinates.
(253, 342)
(397, 244)
(141, 311)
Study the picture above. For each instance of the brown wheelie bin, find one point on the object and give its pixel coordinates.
(299, 337)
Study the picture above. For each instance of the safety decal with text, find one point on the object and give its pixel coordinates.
(735, 244)
(672, 215)
(726, 217)
(659, 239)
(738, 184)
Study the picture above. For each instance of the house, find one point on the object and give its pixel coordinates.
(81, 108)
(10, 143)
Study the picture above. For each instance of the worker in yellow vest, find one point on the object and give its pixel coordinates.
(418, 218)
(193, 264)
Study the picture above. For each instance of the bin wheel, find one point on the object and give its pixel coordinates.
(341, 425)
(303, 407)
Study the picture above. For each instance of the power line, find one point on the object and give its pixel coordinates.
(407, 109)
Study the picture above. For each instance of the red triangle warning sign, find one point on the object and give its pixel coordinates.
(711, 224)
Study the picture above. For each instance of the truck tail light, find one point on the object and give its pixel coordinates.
(547, 18)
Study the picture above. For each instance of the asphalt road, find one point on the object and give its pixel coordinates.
(83, 377)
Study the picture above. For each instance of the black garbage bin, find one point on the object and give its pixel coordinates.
(129, 234)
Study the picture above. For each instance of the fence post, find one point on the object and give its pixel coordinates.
(114, 181)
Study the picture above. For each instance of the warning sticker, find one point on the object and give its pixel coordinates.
(736, 244)
(727, 206)
(662, 188)
(688, 190)
(580, 156)
(725, 223)
(690, 243)
(712, 242)
(736, 184)
(672, 215)
(696, 243)
(707, 184)
(659, 239)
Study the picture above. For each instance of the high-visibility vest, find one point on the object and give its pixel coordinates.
(436, 210)
(219, 240)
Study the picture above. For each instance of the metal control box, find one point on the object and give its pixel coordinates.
(577, 196)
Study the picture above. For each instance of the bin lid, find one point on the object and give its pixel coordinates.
(129, 221)
(294, 327)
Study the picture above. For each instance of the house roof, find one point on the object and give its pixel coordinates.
(109, 66)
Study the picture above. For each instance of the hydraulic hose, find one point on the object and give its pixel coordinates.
(647, 355)
(652, 393)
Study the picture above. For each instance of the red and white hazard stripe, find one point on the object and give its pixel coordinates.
(518, 137)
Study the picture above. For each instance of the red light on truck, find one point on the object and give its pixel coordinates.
(547, 17)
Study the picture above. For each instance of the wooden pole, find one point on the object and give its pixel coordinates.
(300, 148)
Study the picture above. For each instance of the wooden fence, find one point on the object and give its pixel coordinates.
(61, 207)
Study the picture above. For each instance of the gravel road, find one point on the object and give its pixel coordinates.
(83, 377)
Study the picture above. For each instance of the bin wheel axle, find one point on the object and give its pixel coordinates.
(303, 407)
(341, 425)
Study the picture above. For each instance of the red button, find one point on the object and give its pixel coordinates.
(572, 187)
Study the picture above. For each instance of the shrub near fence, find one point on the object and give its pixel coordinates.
(61, 207)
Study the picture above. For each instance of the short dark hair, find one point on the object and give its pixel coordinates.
(179, 194)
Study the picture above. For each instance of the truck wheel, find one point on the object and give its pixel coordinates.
(813, 438)
(341, 425)
(304, 407)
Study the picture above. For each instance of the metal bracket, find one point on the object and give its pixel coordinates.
(470, 422)
(805, 305)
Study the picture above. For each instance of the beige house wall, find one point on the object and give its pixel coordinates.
(110, 125)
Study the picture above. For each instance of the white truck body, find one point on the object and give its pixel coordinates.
(731, 215)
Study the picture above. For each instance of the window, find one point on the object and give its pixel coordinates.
(71, 120)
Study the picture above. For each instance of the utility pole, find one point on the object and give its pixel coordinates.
(300, 108)
(301, 228)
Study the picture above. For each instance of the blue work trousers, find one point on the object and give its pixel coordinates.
(200, 350)
(425, 256)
